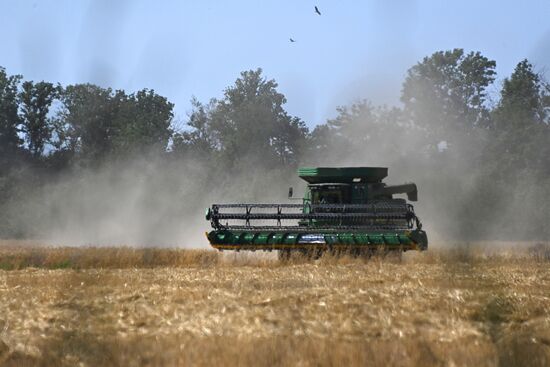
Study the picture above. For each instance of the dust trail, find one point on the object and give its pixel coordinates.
(150, 201)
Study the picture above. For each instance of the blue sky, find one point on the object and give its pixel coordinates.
(354, 50)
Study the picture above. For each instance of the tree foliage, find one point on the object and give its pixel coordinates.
(35, 102)
(143, 121)
(361, 127)
(523, 99)
(249, 121)
(521, 119)
(446, 92)
(98, 122)
(9, 117)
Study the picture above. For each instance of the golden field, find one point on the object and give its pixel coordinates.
(467, 305)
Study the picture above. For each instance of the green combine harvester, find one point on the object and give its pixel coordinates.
(346, 209)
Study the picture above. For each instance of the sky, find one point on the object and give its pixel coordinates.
(354, 50)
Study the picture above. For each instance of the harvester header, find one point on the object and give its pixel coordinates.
(343, 208)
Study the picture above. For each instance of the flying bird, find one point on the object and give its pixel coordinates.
(317, 10)
(291, 40)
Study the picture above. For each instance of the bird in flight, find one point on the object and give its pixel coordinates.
(317, 10)
(291, 40)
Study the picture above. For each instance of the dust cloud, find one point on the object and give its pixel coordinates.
(160, 201)
(458, 200)
(147, 201)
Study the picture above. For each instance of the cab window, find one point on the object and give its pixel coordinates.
(327, 197)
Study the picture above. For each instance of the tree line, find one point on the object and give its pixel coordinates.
(454, 116)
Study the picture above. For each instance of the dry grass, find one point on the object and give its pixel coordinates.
(15, 255)
(462, 306)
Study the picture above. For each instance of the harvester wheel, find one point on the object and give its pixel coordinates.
(284, 255)
(365, 253)
(312, 253)
(394, 255)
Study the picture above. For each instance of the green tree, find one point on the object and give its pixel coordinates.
(85, 124)
(142, 122)
(446, 92)
(363, 128)
(352, 128)
(35, 102)
(9, 118)
(97, 122)
(521, 132)
(289, 140)
(249, 122)
(199, 139)
(523, 99)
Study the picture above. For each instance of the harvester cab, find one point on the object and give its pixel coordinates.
(347, 208)
(351, 185)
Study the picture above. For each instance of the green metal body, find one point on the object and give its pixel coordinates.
(347, 207)
(249, 240)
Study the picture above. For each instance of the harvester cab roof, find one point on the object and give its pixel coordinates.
(351, 184)
(313, 175)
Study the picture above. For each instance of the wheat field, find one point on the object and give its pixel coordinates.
(460, 305)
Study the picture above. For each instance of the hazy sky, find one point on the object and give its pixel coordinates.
(354, 50)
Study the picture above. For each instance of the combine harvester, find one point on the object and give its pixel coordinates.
(346, 209)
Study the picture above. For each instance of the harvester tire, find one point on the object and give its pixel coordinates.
(284, 255)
